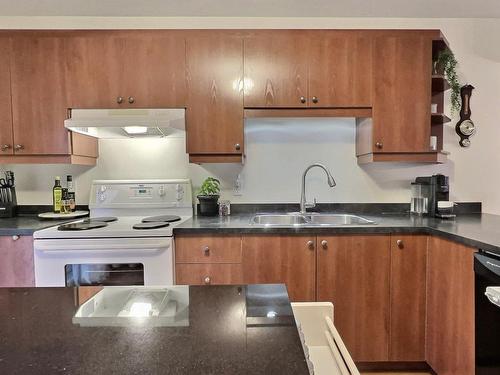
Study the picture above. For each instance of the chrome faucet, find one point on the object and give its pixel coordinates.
(331, 182)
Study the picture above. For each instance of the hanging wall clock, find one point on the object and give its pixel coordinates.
(465, 128)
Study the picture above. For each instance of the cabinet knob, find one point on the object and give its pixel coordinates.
(315, 99)
(310, 244)
(131, 99)
(324, 244)
(5, 147)
(303, 99)
(379, 145)
(119, 99)
(19, 147)
(206, 251)
(15, 238)
(400, 244)
(237, 146)
(207, 280)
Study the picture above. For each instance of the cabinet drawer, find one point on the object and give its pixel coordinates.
(208, 274)
(208, 249)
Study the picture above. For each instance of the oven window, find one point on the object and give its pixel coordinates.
(104, 274)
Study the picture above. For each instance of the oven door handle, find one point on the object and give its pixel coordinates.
(145, 246)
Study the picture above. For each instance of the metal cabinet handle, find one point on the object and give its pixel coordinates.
(207, 280)
(206, 251)
(119, 99)
(310, 244)
(5, 147)
(324, 244)
(237, 146)
(303, 99)
(315, 99)
(15, 238)
(400, 244)
(18, 147)
(379, 145)
(131, 99)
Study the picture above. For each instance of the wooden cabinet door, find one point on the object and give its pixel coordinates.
(276, 69)
(17, 267)
(353, 274)
(281, 259)
(408, 291)
(214, 75)
(39, 95)
(450, 308)
(6, 136)
(145, 69)
(401, 93)
(340, 69)
(208, 273)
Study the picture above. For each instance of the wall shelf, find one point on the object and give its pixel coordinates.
(439, 83)
(439, 119)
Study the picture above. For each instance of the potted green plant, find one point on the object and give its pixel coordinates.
(208, 196)
(446, 64)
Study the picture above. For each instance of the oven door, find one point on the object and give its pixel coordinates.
(105, 261)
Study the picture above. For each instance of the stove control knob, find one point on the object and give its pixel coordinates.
(161, 191)
(179, 192)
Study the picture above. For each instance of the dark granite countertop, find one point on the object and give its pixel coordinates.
(25, 225)
(476, 230)
(224, 330)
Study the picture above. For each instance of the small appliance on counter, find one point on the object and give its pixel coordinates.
(430, 197)
(8, 200)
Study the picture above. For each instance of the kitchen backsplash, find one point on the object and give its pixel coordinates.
(277, 152)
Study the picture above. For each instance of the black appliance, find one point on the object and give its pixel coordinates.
(437, 188)
(487, 305)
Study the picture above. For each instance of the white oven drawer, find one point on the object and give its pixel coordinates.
(323, 347)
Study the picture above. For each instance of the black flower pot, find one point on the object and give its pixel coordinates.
(208, 205)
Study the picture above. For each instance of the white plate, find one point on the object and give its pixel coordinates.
(71, 215)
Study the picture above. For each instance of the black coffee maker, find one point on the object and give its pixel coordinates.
(435, 194)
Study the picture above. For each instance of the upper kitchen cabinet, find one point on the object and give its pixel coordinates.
(214, 115)
(6, 135)
(400, 126)
(340, 69)
(124, 69)
(39, 95)
(276, 64)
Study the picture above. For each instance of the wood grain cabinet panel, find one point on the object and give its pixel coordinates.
(353, 274)
(450, 308)
(276, 64)
(208, 249)
(17, 267)
(146, 69)
(281, 259)
(408, 298)
(340, 69)
(401, 93)
(6, 135)
(208, 274)
(214, 76)
(39, 95)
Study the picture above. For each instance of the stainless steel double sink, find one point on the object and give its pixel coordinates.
(309, 219)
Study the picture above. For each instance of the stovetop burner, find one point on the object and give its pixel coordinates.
(161, 219)
(104, 219)
(153, 225)
(82, 226)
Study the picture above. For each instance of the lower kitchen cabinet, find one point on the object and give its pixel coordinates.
(353, 274)
(282, 259)
(16, 265)
(408, 298)
(450, 308)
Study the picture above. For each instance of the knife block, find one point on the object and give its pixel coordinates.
(9, 209)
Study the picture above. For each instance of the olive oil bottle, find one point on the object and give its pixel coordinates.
(57, 195)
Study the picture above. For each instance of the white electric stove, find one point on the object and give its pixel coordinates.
(126, 241)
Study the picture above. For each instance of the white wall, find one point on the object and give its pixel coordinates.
(276, 158)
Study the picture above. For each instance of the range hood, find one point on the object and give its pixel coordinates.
(126, 123)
